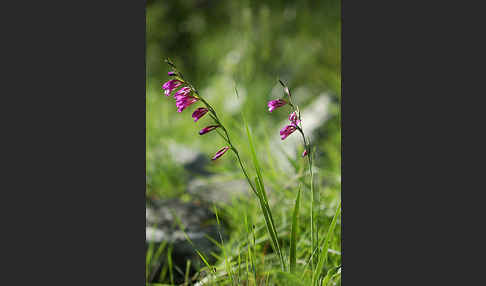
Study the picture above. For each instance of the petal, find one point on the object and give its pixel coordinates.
(220, 153)
(304, 153)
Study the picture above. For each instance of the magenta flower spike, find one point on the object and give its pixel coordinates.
(185, 91)
(169, 86)
(220, 153)
(198, 113)
(184, 101)
(208, 129)
(294, 119)
(273, 104)
(171, 73)
(286, 131)
(304, 153)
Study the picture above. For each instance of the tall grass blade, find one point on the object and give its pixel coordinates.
(293, 234)
(239, 266)
(156, 256)
(148, 259)
(169, 262)
(186, 276)
(270, 225)
(329, 276)
(251, 246)
(324, 251)
(263, 198)
(313, 236)
(223, 248)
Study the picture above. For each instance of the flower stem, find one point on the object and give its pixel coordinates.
(307, 146)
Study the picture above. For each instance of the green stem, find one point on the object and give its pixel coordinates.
(309, 160)
(263, 202)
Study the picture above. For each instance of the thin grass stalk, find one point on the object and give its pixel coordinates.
(186, 276)
(263, 198)
(293, 234)
(169, 262)
(322, 259)
(226, 262)
(309, 150)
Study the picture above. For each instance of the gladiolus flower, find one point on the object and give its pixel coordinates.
(184, 101)
(208, 129)
(294, 119)
(305, 153)
(220, 153)
(286, 131)
(170, 86)
(198, 113)
(185, 91)
(171, 73)
(273, 104)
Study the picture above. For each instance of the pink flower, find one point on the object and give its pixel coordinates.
(183, 98)
(184, 101)
(220, 153)
(208, 129)
(169, 86)
(273, 104)
(286, 131)
(185, 91)
(305, 153)
(171, 73)
(294, 119)
(198, 113)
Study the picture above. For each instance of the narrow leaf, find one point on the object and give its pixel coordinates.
(293, 234)
(324, 251)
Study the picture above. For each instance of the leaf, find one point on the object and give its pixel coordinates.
(324, 251)
(188, 267)
(262, 196)
(293, 233)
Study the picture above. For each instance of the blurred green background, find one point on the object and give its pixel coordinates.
(220, 45)
(248, 45)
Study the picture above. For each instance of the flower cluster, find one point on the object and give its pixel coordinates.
(186, 96)
(294, 117)
(290, 128)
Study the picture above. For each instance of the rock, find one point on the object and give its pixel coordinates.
(192, 160)
(218, 188)
(161, 225)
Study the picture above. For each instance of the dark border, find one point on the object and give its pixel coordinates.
(77, 166)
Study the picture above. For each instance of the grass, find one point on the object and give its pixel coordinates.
(293, 234)
(266, 237)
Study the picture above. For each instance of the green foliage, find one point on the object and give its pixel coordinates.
(293, 234)
(262, 198)
(325, 248)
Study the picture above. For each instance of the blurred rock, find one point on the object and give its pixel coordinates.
(191, 159)
(218, 188)
(161, 225)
